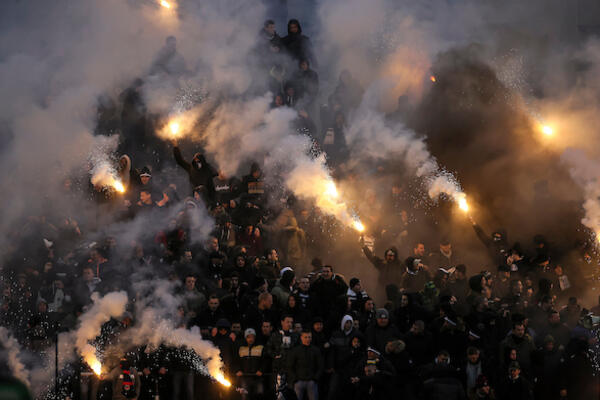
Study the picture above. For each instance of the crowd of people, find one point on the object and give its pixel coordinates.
(287, 324)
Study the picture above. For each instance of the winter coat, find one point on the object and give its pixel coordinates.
(305, 363)
(200, 177)
(388, 272)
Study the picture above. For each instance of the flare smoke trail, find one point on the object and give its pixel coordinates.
(13, 350)
(155, 325)
(110, 306)
(586, 173)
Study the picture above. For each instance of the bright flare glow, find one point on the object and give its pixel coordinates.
(165, 4)
(331, 190)
(463, 205)
(432, 78)
(174, 127)
(358, 226)
(94, 364)
(222, 380)
(547, 130)
(118, 186)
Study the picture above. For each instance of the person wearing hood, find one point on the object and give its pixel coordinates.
(200, 173)
(284, 286)
(125, 171)
(306, 82)
(390, 268)
(496, 244)
(297, 45)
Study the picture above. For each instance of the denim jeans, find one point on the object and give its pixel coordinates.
(309, 387)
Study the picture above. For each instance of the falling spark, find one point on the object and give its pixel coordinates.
(547, 130)
(432, 79)
(165, 4)
(222, 380)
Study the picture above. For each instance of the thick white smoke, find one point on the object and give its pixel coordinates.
(13, 353)
(112, 305)
(586, 172)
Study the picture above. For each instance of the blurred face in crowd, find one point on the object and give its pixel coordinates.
(554, 318)
(213, 304)
(369, 305)
(291, 302)
(87, 274)
(270, 29)
(190, 283)
(273, 256)
(306, 338)
(390, 256)
(404, 300)
(287, 323)
(357, 288)
(519, 330)
(348, 325)
(327, 273)
(266, 328)
(473, 358)
(213, 244)
(304, 66)
(240, 261)
(383, 322)
(250, 339)
(145, 197)
(355, 342)
(513, 355)
(419, 250)
(514, 373)
(267, 302)
(304, 284)
(293, 28)
(187, 256)
(318, 326)
(236, 327)
(446, 248)
(279, 101)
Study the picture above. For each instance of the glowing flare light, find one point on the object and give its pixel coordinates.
(547, 130)
(222, 380)
(358, 226)
(165, 4)
(432, 79)
(174, 127)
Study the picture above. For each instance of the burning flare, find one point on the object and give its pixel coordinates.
(547, 130)
(432, 79)
(165, 4)
(174, 127)
(462, 203)
(105, 176)
(358, 226)
(89, 356)
(219, 377)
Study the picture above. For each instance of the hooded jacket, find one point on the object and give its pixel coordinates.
(200, 173)
(297, 45)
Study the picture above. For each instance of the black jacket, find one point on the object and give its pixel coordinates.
(305, 363)
(199, 177)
